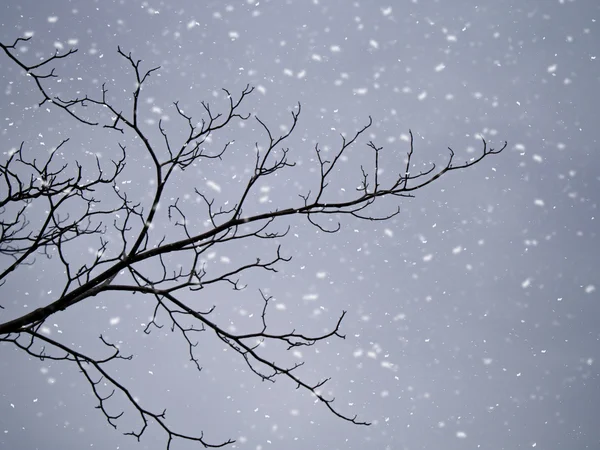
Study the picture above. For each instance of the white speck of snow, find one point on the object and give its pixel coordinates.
(225, 260)
(386, 11)
(400, 316)
(461, 434)
(373, 43)
(538, 202)
(525, 284)
(214, 186)
(310, 297)
(552, 68)
(590, 361)
(388, 232)
(260, 88)
(321, 275)
(335, 49)
(316, 57)
(451, 38)
(428, 257)
(537, 158)
(301, 74)
(52, 19)
(115, 320)
(280, 307)
(487, 361)
(233, 35)
(440, 67)
(590, 288)
(387, 365)
(361, 91)
(191, 24)
(422, 96)
(456, 250)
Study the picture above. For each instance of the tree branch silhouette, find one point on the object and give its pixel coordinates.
(73, 214)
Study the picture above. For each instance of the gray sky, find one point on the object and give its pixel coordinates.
(473, 317)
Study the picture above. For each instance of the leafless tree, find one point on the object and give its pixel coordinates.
(127, 234)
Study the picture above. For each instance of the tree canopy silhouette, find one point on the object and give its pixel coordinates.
(51, 206)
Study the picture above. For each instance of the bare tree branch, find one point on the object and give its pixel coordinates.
(74, 215)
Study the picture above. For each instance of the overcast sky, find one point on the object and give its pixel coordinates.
(473, 317)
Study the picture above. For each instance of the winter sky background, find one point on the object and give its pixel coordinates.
(473, 317)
